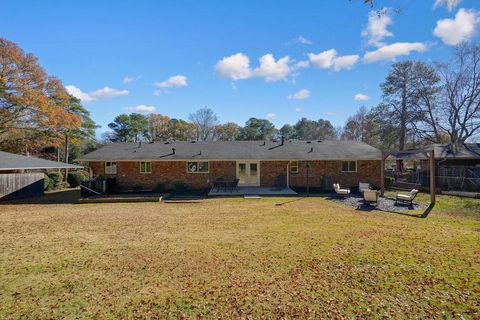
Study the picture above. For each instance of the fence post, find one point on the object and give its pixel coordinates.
(433, 188)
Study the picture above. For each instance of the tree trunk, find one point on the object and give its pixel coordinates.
(66, 155)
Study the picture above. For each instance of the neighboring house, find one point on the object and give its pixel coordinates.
(254, 163)
(16, 183)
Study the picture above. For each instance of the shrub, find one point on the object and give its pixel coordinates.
(160, 188)
(180, 187)
(57, 178)
(47, 182)
(137, 188)
(75, 178)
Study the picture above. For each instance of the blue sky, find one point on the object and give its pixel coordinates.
(175, 57)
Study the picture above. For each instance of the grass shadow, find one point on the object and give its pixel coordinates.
(289, 201)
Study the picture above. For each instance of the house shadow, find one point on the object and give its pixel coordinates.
(65, 196)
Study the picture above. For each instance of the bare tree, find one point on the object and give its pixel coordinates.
(426, 107)
(459, 101)
(205, 121)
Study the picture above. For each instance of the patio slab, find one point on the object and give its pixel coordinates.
(261, 191)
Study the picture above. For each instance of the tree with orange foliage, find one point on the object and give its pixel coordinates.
(32, 103)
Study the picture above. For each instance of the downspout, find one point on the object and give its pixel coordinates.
(288, 175)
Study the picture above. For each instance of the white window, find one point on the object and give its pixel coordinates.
(197, 166)
(349, 166)
(145, 167)
(294, 166)
(110, 167)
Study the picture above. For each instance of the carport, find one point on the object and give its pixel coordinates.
(22, 176)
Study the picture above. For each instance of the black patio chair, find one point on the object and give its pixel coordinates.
(233, 185)
(219, 183)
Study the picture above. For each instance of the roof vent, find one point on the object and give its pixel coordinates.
(319, 141)
(167, 142)
(309, 141)
(193, 141)
(311, 150)
(173, 150)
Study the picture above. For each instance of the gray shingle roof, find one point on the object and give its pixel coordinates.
(457, 151)
(236, 150)
(443, 151)
(11, 161)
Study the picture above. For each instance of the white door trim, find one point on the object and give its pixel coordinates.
(247, 173)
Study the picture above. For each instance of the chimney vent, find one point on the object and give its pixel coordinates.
(173, 150)
(283, 140)
(139, 144)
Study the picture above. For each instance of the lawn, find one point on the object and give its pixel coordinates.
(231, 258)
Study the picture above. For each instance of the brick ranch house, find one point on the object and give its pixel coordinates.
(254, 163)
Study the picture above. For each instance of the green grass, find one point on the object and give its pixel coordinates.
(231, 258)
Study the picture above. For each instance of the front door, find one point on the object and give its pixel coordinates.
(248, 172)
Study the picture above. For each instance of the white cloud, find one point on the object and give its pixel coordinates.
(323, 60)
(298, 109)
(300, 95)
(270, 116)
(141, 108)
(104, 93)
(272, 70)
(301, 65)
(391, 51)
(462, 28)
(329, 113)
(449, 4)
(235, 67)
(361, 97)
(177, 81)
(128, 79)
(329, 59)
(108, 92)
(79, 94)
(302, 40)
(376, 29)
(345, 62)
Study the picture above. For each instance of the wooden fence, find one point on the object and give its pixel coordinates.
(21, 185)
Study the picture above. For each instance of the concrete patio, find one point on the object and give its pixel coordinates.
(243, 191)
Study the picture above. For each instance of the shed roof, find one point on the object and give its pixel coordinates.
(11, 161)
(236, 150)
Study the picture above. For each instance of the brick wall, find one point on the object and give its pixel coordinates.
(166, 172)
(170, 172)
(367, 171)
